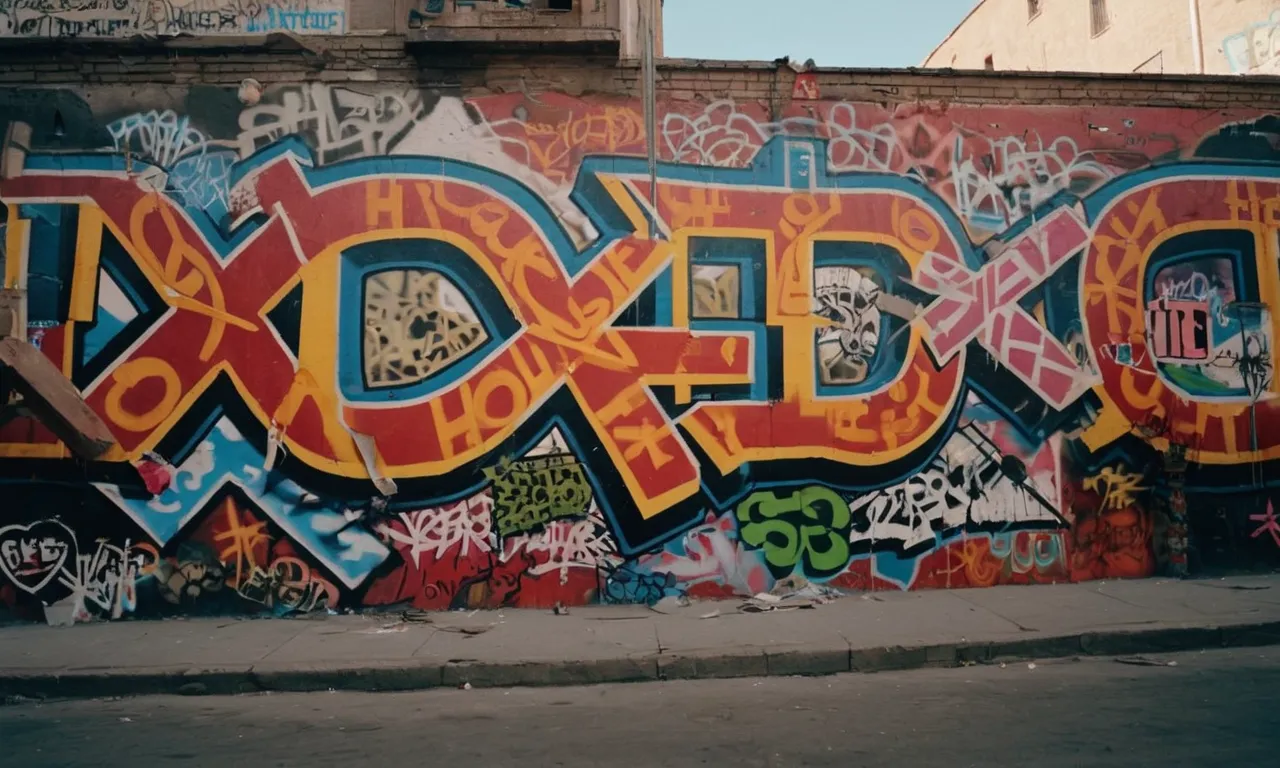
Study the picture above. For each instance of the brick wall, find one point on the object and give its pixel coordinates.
(383, 58)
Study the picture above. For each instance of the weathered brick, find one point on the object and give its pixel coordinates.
(383, 58)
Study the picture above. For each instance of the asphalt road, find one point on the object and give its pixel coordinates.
(1218, 708)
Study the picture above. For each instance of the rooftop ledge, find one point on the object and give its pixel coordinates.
(275, 41)
(521, 35)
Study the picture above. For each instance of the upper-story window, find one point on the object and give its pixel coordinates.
(1099, 19)
(1034, 7)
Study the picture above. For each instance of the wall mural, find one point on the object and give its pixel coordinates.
(379, 347)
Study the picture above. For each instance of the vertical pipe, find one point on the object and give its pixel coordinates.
(1197, 40)
(649, 30)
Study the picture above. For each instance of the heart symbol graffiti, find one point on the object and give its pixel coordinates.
(31, 555)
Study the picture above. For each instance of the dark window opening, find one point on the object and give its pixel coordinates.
(1099, 19)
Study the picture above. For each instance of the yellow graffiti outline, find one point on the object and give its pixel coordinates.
(84, 275)
(648, 507)
(127, 376)
(163, 275)
(796, 330)
(1111, 423)
(16, 239)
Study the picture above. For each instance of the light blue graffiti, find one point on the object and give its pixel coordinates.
(200, 183)
(115, 311)
(627, 585)
(1256, 49)
(198, 170)
(307, 21)
(1044, 553)
(327, 531)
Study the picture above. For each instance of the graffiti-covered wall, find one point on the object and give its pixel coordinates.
(127, 18)
(374, 346)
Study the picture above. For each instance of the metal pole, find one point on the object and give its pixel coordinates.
(1197, 40)
(649, 29)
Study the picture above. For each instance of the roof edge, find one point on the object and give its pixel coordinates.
(953, 31)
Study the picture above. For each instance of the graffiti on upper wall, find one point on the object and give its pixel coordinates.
(126, 18)
(1255, 50)
(365, 348)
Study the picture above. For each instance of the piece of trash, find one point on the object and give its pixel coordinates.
(1002, 665)
(469, 630)
(561, 609)
(764, 602)
(415, 615)
(711, 615)
(18, 698)
(126, 719)
(465, 687)
(1145, 661)
(1032, 665)
(1240, 587)
(670, 603)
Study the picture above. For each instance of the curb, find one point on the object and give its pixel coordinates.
(82, 683)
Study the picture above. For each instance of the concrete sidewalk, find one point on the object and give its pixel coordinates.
(859, 633)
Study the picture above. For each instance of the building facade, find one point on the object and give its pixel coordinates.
(385, 318)
(1153, 36)
(604, 23)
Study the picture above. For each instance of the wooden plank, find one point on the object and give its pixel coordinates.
(53, 399)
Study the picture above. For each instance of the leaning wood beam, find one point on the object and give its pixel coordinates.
(51, 398)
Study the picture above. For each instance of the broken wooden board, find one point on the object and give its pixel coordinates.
(53, 399)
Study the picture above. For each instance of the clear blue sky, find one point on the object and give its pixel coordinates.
(834, 33)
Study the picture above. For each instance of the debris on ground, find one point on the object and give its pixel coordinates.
(416, 616)
(790, 594)
(669, 604)
(561, 609)
(1145, 661)
(386, 629)
(17, 698)
(469, 630)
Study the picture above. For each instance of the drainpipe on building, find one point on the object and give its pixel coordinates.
(649, 65)
(1197, 40)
